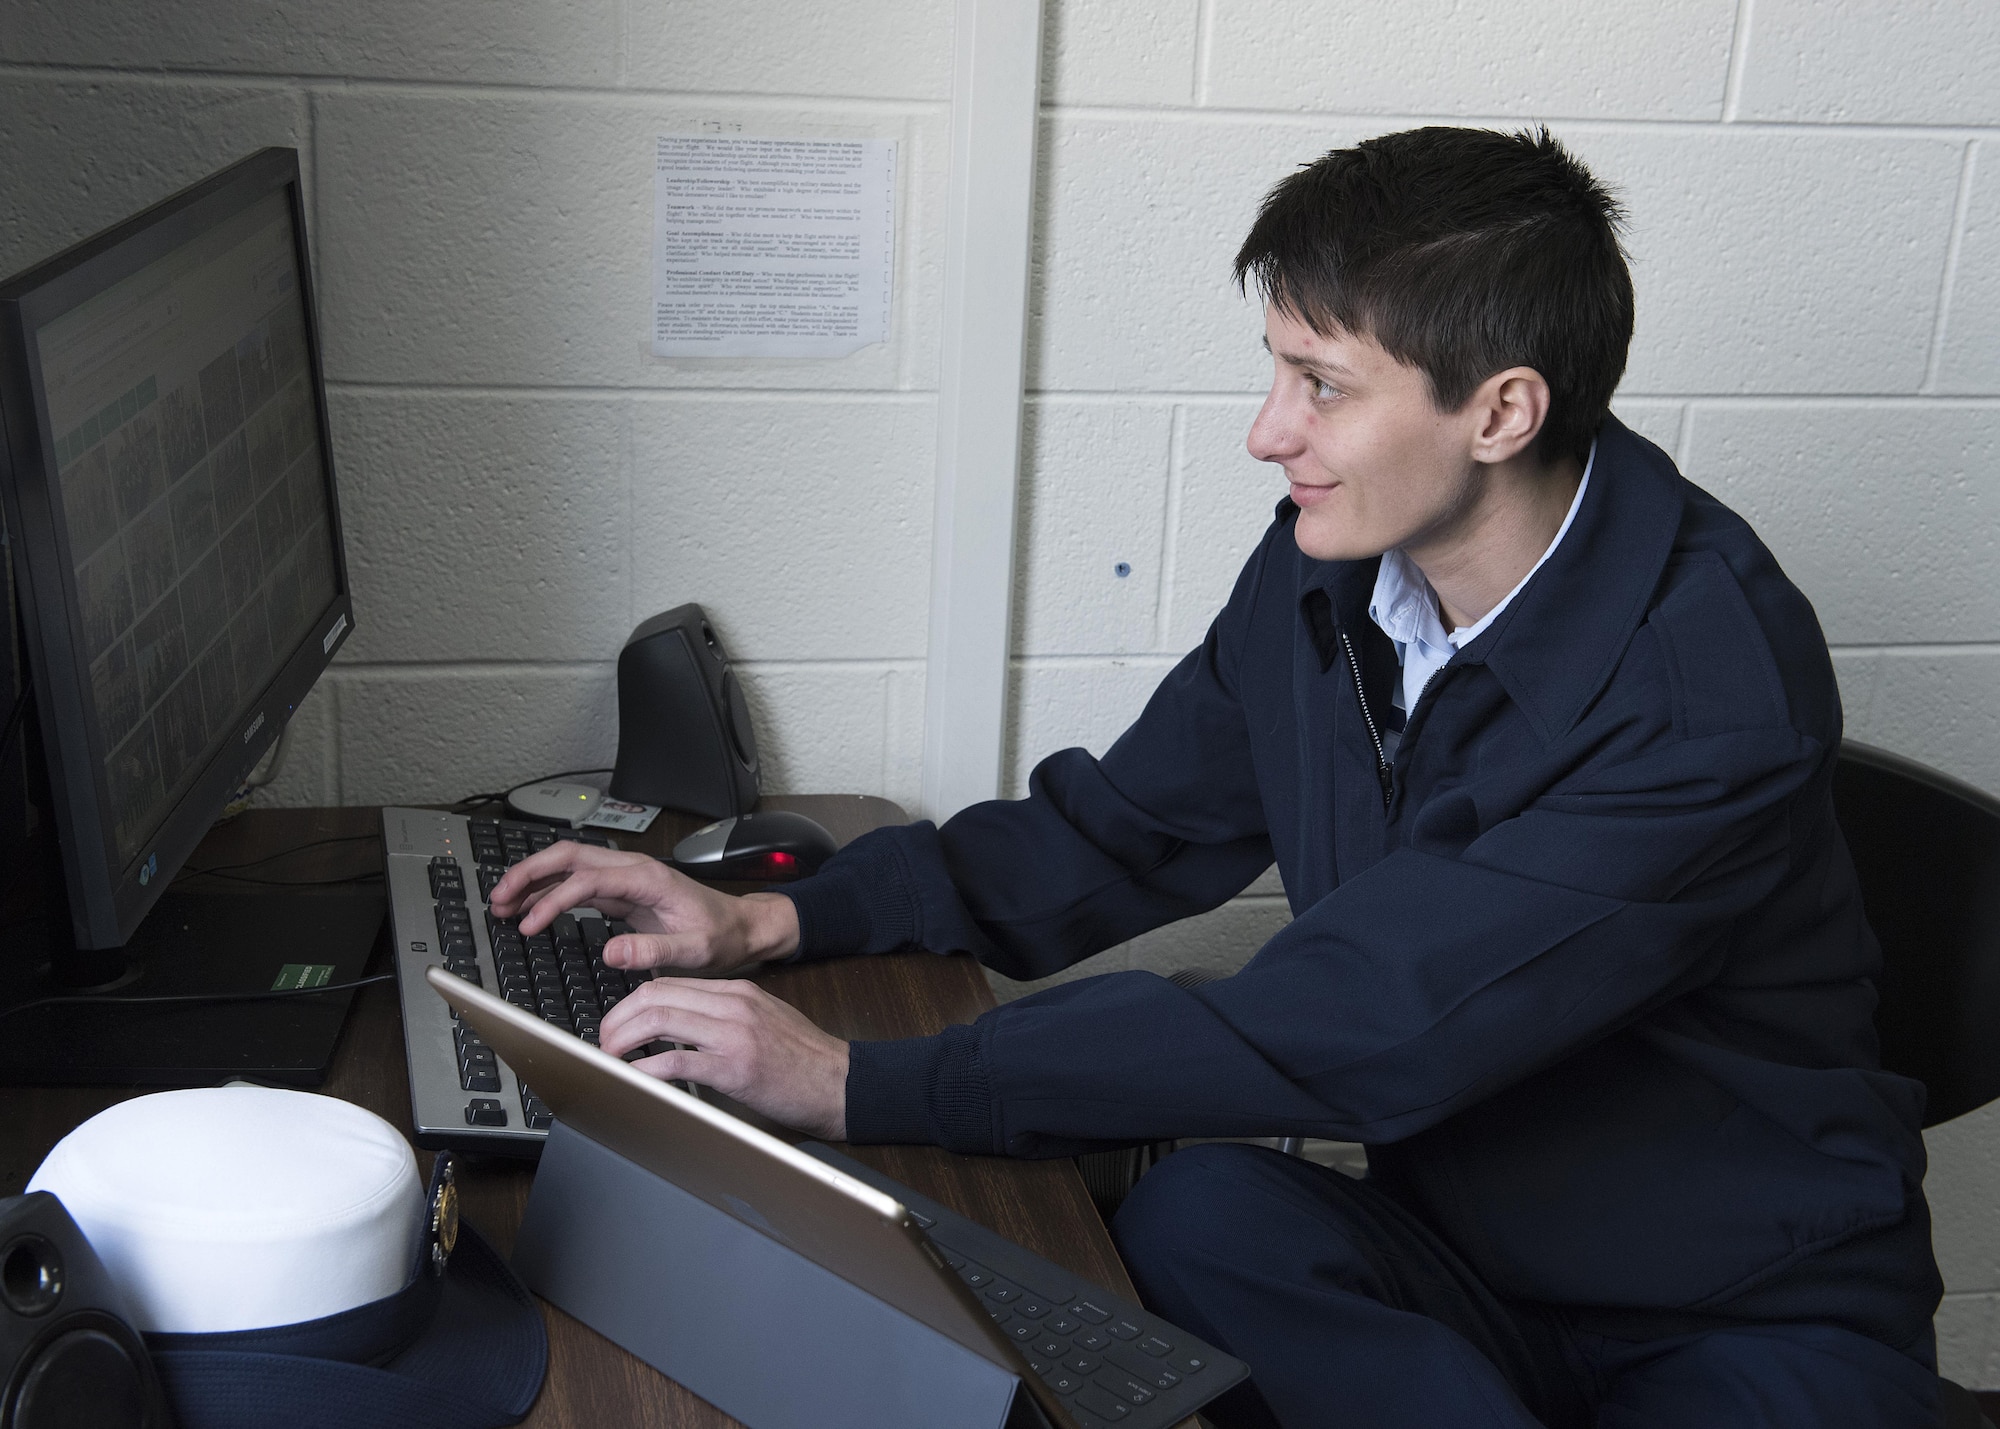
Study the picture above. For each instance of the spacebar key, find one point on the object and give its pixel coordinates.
(1101, 1404)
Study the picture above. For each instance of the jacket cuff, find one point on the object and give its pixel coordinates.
(860, 902)
(921, 1091)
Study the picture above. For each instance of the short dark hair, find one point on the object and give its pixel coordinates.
(1463, 252)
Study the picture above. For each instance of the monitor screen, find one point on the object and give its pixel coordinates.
(176, 535)
(191, 494)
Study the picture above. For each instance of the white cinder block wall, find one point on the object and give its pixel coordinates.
(1815, 198)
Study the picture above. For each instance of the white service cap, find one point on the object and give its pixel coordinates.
(239, 1208)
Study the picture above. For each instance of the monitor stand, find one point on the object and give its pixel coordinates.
(201, 942)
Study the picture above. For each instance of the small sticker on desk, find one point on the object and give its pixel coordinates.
(617, 814)
(297, 975)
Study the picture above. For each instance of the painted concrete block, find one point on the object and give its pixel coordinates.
(903, 743)
(461, 40)
(1088, 539)
(485, 527)
(819, 728)
(438, 734)
(309, 774)
(1138, 222)
(1969, 359)
(509, 244)
(864, 48)
(1756, 269)
(1119, 51)
(1555, 58)
(84, 154)
(1962, 1185)
(803, 527)
(1057, 704)
(916, 318)
(1968, 1340)
(1886, 516)
(1941, 707)
(1226, 500)
(1872, 62)
(1219, 941)
(1658, 422)
(1859, 673)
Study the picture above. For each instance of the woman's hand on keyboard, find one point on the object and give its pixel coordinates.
(742, 1041)
(676, 923)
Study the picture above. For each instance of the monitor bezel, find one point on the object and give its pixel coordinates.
(108, 897)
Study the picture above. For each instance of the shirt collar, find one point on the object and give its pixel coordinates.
(1406, 608)
(1554, 647)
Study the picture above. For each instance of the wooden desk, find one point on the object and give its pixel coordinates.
(593, 1384)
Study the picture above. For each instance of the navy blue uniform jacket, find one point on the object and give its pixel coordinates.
(1587, 969)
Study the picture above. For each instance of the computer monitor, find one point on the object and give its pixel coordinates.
(173, 533)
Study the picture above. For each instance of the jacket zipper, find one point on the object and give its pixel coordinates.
(1384, 775)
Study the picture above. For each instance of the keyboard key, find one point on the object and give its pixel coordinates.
(1063, 1382)
(1003, 1293)
(976, 1275)
(1063, 1325)
(1022, 1331)
(1084, 1310)
(1186, 1363)
(1049, 1349)
(1093, 1340)
(1155, 1346)
(1100, 1403)
(1085, 1365)
(1142, 1367)
(480, 1081)
(484, 1111)
(922, 1220)
(1033, 1309)
(1124, 1329)
(1126, 1387)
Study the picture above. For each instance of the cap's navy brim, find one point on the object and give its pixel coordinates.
(467, 1350)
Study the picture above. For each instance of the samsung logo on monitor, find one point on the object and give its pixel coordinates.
(255, 725)
(326, 645)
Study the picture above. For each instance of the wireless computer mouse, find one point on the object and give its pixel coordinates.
(771, 844)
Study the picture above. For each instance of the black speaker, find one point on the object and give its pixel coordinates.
(68, 1359)
(684, 735)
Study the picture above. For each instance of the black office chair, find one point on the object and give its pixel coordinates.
(1927, 850)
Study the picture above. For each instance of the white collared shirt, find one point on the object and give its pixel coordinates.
(1406, 608)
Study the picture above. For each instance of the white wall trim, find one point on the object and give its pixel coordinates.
(995, 93)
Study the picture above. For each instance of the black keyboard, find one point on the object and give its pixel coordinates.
(1112, 1362)
(441, 869)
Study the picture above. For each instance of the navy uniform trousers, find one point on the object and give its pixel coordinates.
(1351, 1312)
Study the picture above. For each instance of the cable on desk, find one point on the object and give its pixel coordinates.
(84, 999)
(372, 876)
(221, 868)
